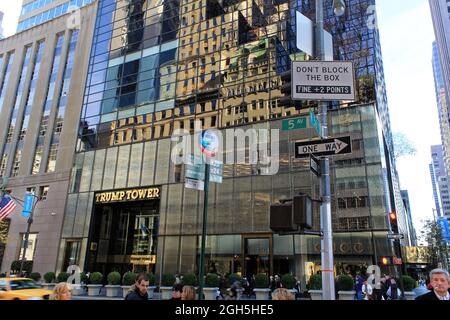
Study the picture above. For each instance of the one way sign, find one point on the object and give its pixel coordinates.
(326, 147)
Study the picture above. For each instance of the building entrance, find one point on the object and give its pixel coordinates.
(124, 237)
(257, 255)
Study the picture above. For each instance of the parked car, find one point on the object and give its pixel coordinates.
(22, 289)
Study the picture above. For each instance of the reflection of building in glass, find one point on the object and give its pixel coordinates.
(157, 66)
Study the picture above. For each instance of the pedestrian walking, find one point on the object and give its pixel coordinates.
(440, 283)
(282, 294)
(188, 293)
(62, 291)
(176, 292)
(367, 291)
(358, 286)
(393, 293)
(139, 290)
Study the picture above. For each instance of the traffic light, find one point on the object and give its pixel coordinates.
(393, 221)
(303, 211)
(292, 215)
(385, 261)
(281, 218)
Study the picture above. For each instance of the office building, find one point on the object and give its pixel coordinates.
(42, 76)
(159, 66)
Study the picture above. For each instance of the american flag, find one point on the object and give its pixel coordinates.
(7, 206)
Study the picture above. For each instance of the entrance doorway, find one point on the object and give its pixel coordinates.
(257, 255)
(124, 237)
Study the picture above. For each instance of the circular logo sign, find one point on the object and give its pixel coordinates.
(209, 143)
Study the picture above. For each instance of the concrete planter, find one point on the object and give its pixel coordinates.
(151, 292)
(315, 294)
(94, 289)
(166, 293)
(346, 295)
(125, 290)
(210, 293)
(262, 294)
(78, 289)
(410, 295)
(49, 286)
(113, 291)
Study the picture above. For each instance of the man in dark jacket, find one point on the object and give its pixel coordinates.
(139, 290)
(440, 281)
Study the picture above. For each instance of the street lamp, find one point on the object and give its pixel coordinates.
(325, 183)
(339, 7)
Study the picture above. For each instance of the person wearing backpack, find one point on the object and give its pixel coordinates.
(393, 293)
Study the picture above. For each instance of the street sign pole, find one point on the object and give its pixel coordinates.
(325, 207)
(204, 224)
(27, 234)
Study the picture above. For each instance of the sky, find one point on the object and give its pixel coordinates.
(406, 33)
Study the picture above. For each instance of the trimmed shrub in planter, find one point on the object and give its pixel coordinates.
(261, 286)
(62, 277)
(315, 287)
(212, 280)
(261, 281)
(36, 276)
(129, 278)
(49, 277)
(190, 279)
(113, 278)
(315, 282)
(167, 280)
(96, 278)
(151, 285)
(84, 278)
(151, 279)
(345, 283)
(113, 288)
(345, 287)
(233, 277)
(408, 283)
(288, 281)
(95, 287)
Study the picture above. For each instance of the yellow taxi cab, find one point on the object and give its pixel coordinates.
(22, 289)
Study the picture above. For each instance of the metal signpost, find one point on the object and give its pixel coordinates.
(324, 81)
(30, 202)
(196, 179)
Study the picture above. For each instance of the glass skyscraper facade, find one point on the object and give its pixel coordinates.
(35, 12)
(158, 66)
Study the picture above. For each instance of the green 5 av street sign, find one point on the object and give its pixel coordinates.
(294, 123)
(302, 123)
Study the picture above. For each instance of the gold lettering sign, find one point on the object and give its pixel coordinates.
(143, 259)
(127, 195)
(416, 255)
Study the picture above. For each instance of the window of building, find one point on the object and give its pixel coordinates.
(31, 246)
(43, 192)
